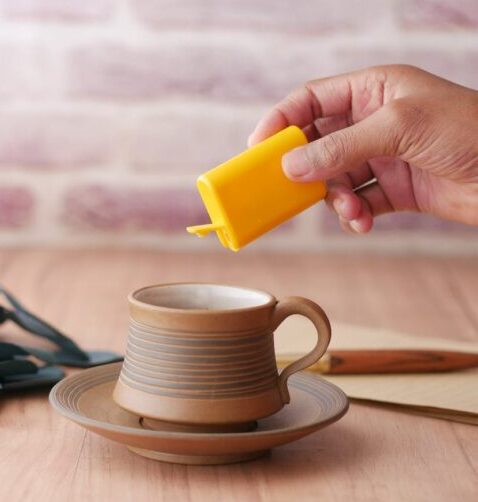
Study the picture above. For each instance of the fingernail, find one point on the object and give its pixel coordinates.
(355, 225)
(295, 163)
(339, 206)
(249, 140)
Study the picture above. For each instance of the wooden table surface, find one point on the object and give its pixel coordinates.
(372, 454)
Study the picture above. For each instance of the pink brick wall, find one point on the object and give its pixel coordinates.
(110, 109)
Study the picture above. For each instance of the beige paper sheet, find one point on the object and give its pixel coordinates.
(453, 396)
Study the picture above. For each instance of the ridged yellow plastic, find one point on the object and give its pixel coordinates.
(249, 195)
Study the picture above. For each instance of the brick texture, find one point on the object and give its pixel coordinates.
(303, 16)
(132, 209)
(16, 207)
(110, 109)
(442, 14)
(58, 9)
(54, 140)
(459, 67)
(192, 139)
(226, 70)
(28, 71)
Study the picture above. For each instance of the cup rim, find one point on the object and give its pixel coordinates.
(160, 308)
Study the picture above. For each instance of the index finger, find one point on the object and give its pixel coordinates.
(313, 100)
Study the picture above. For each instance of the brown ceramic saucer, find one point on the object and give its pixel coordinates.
(86, 398)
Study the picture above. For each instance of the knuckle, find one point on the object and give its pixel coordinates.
(403, 71)
(379, 73)
(407, 69)
(306, 90)
(383, 72)
(294, 95)
(328, 152)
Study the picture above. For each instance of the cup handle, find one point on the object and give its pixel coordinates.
(302, 306)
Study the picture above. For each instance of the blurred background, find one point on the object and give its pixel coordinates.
(110, 109)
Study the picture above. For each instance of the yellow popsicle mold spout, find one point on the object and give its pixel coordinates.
(249, 194)
(203, 230)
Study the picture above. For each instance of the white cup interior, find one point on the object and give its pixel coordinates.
(202, 297)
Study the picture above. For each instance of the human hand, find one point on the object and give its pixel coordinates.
(387, 138)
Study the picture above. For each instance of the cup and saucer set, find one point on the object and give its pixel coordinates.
(199, 383)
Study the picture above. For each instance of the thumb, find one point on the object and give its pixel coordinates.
(344, 150)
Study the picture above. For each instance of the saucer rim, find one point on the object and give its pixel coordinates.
(93, 423)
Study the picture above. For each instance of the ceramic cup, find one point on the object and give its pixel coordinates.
(203, 354)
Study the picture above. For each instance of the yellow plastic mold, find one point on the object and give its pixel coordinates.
(249, 194)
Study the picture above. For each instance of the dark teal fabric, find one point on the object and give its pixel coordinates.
(18, 371)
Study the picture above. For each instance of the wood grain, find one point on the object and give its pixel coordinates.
(350, 362)
(371, 454)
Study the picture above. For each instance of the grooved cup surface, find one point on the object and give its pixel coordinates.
(200, 354)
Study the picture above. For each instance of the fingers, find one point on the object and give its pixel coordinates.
(360, 93)
(358, 177)
(356, 210)
(364, 221)
(319, 98)
(343, 200)
(376, 199)
(389, 189)
(395, 178)
(353, 211)
(344, 150)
